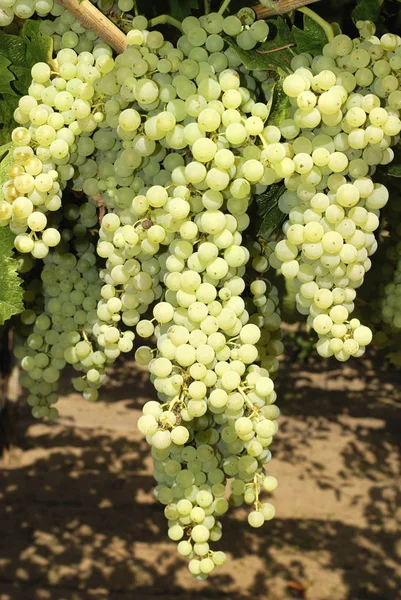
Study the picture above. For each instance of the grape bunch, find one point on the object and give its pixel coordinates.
(390, 304)
(345, 118)
(67, 31)
(52, 116)
(170, 145)
(165, 149)
(57, 324)
(23, 9)
(179, 241)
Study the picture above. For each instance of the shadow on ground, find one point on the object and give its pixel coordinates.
(80, 523)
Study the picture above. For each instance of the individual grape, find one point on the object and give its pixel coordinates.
(256, 519)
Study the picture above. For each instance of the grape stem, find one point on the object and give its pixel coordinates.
(327, 28)
(280, 7)
(251, 406)
(257, 490)
(165, 20)
(92, 18)
(224, 7)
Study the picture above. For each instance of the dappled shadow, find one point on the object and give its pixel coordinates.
(81, 522)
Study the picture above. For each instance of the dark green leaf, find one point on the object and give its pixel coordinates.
(180, 9)
(367, 10)
(256, 60)
(283, 32)
(280, 105)
(6, 77)
(13, 48)
(394, 170)
(272, 217)
(18, 54)
(7, 106)
(22, 78)
(311, 38)
(39, 47)
(10, 289)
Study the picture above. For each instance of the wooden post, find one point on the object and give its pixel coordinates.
(92, 18)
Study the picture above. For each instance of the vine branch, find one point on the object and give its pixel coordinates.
(92, 18)
(327, 28)
(165, 20)
(279, 7)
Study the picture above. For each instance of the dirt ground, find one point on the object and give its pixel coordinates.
(78, 520)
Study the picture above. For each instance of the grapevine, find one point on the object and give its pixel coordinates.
(136, 169)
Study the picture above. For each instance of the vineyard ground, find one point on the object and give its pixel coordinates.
(79, 521)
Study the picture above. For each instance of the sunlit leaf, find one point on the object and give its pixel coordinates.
(11, 293)
(311, 38)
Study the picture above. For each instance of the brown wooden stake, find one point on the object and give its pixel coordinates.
(92, 18)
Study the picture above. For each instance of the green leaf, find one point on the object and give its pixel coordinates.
(256, 60)
(367, 10)
(18, 54)
(22, 78)
(6, 77)
(6, 160)
(272, 217)
(394, 170)
(311, 38)
(180, 9)
(269, 56)
(7, 106)
(13, 48)
(39, 47)
(10, 289)
(280, 105)
(283, 34)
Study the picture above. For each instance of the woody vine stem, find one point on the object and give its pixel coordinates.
(92, 18)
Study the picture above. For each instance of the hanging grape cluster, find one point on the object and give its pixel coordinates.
(170, 145)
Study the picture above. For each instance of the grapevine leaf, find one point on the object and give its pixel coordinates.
(6, 77)
(254, 60)
(272, 217)
(311, 38)
(22, 78)
(367, 10)
(180, 9)
(39, 47)
(280, 105)
(272, 54)
(283, 34)
(18, 54)
(10, 289)
(7, 106)
(394, 170)
(13, 48)
(6, 159)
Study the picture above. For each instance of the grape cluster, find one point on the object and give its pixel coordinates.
(23, 9)
(170, 142)
(56, 111)
(66, 31)
(58, 328)
(246, 31)
(390, 303)
(345, 118)
(178, 186)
